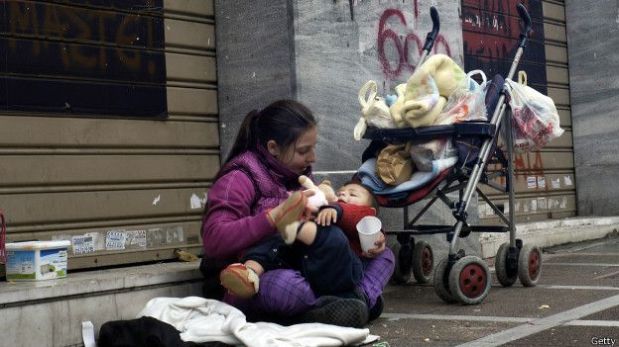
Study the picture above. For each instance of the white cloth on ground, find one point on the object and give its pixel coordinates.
(202, 320)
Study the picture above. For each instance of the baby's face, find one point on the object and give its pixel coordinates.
(354, 194)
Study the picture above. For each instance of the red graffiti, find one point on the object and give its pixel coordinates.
(403, 45)
(535, 167)
(525, 165)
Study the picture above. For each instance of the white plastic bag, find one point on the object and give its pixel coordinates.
(535, 118)
(463, 106)
(466, 104)
(424, 154)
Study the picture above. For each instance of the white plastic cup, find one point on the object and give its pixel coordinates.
(369, 230)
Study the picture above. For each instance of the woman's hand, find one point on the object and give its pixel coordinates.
(326, 217)
(276, 214)
(380, 247)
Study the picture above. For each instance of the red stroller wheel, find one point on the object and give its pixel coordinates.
(469, 280)
(423, 262)
(529, 265)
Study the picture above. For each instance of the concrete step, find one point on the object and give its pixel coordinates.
(50, 313)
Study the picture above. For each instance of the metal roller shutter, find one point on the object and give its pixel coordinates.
(545, 184)
(125, 181)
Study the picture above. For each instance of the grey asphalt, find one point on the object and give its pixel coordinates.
(575, 303)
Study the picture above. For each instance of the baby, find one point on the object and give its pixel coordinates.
(349, 204)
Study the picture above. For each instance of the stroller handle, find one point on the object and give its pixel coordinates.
(526, 19)
(436, 26)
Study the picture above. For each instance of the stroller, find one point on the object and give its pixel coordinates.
(463, 278)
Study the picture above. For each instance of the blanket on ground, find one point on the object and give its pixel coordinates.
(201, 320)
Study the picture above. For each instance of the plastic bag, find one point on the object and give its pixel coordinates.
(466, 104)
(463, 106)
(535, 118)
(468, 147)
(374, 110)
(424, 154)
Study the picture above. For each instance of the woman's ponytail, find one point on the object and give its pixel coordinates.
(246, 137)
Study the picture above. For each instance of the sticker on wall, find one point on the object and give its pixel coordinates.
(82, 244)
(542, 203)
(99, 240)
(555, 183)
(563, 204)
(156, 200)
(531, 182)
(115, 240)
(136, 238)
(175, 235)
(541, 182)
(195, 202)
(155, 237)
(533, 205)
(567, 180)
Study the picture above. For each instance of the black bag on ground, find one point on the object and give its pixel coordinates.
(144, 332)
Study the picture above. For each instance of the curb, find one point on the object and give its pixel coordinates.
(552, 233)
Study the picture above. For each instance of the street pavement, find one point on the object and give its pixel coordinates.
(575, 303)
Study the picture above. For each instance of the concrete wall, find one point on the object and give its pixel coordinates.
(593, 39)
(123, 189)
(255, 63)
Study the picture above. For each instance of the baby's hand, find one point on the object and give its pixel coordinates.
(326, 217)
(380, 247)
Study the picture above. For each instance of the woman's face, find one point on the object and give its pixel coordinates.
(300, 154)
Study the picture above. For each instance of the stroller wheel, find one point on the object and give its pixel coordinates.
(529, 265)
(402, 272)
(469, 280)
(440, 284)
(423, 262)
(504, 272)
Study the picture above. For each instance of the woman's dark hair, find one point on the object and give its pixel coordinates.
(282, 121)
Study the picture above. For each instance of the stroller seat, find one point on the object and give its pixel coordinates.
(413, 196)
